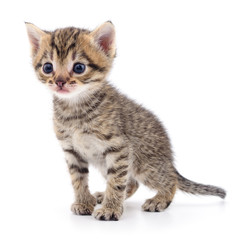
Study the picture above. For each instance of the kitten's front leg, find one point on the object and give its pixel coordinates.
(117, 175)
(78, 168)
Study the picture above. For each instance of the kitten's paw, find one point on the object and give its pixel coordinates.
(108, 214)
(99, 197)
(154, 205)
(82, 208)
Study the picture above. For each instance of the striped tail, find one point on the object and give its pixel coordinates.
(196, 188)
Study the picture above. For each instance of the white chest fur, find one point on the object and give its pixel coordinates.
(91, 149)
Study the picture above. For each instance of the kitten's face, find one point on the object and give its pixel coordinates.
(71, 61)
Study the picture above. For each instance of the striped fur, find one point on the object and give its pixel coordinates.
(95, 124)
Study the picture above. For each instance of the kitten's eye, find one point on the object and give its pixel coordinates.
(47, 68)
(79, 68)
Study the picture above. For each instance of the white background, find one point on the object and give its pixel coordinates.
(178, 58)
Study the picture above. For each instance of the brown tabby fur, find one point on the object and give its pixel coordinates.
(100, 126)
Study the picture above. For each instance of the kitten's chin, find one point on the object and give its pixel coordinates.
(64, 94)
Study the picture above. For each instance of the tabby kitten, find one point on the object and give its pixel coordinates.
(95, 124)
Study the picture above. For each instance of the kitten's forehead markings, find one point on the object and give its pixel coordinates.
(74, 56)
(51, 55)
(53, 44)
(64, 40)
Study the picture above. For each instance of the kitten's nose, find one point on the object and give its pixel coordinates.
(60, 83)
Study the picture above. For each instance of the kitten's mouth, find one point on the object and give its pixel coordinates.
(62, 90)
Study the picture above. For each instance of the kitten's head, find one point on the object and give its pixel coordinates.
(72, 61)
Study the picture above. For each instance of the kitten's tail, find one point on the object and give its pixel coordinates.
(196, 188)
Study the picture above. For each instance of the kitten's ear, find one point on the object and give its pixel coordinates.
(104, 36)
(35, 35)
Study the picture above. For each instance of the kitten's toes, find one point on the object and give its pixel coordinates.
(99, 197)
(107, 214)
(82, 208)
(154, 205)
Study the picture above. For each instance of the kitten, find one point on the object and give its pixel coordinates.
(97, 125)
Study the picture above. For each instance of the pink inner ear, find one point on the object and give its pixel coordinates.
(34, 38)
(105, 42)
(35, 42)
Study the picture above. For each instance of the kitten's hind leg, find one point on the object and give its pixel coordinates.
(158, 203)
(166, 187)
